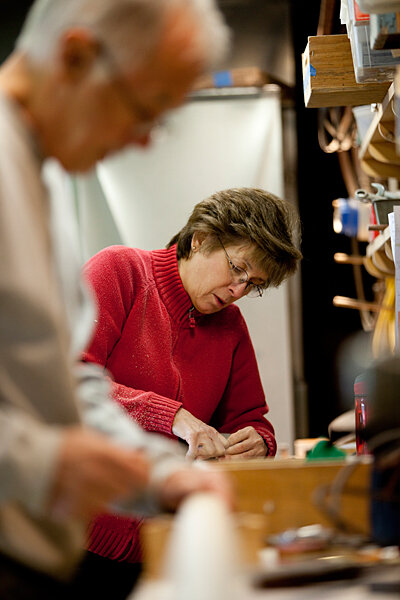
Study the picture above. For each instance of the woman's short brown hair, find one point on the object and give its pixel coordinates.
(247, 216)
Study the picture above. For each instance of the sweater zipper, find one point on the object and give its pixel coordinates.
(192, 321)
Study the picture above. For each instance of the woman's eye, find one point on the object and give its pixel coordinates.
(237, 270)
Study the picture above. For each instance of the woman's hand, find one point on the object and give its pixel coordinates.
(203, 441)
(245, 443)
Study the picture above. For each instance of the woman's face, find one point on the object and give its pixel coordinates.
(207, 277)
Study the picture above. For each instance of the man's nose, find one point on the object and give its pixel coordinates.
(139, 139)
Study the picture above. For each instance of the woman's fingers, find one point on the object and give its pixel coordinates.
(246, 443)
(213, 446)
(207, 443)
(203, 440)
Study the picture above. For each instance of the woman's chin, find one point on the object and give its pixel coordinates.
(210, 309)
(209, 305)
(206, 308)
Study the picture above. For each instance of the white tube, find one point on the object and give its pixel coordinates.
(202, 562)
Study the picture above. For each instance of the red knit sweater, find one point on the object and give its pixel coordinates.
(162, 355)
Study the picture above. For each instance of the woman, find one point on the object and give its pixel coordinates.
(177, 348)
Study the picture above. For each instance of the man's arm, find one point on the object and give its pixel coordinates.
(101, 413)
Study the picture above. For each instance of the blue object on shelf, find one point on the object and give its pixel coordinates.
(223, 79)
(346, 217)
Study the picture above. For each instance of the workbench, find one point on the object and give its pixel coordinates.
(275, 495)
(345, 590)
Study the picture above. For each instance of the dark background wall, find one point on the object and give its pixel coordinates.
(12, 13)
(330, 360)
(273, 35)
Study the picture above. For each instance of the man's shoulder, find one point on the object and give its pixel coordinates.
(16, 144)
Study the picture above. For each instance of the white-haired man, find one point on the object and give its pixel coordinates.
(87, 78)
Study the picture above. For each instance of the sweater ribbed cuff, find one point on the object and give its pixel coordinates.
(152, 411)
(162, 414)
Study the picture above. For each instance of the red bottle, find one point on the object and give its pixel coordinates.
(362, 413)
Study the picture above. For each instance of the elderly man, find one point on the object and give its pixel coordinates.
(87, 78)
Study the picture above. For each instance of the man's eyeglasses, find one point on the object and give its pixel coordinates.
(240, 276)
(144, 122)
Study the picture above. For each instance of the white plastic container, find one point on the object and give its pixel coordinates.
(384, 31)
(379, 6)
(370, 65)
(364, 116)
(356, 17)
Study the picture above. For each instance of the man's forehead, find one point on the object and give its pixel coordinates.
(164, 78)
(177, 51)
(168, 72)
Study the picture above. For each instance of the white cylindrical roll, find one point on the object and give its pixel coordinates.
(201, 558)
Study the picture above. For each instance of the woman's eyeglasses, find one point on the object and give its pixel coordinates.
(240, 276)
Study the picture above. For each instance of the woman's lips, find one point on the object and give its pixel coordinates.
(219, 301)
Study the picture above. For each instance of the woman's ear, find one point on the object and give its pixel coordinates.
(197, 240)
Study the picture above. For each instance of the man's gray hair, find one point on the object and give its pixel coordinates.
(124, 25)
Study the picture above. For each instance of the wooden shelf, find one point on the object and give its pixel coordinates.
(378, 154)
(329, 80)
(379, 242)
(378, 259)
(328, 75)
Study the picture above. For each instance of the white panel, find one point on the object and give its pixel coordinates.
(95, 219)
(268, 323)
(206, 146)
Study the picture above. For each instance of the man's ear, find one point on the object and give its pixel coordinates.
(79, 50)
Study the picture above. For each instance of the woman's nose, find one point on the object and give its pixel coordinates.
(237, 290)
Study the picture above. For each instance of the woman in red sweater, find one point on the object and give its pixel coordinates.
(176, 346)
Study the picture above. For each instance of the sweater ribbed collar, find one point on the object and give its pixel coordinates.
(169, 284)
